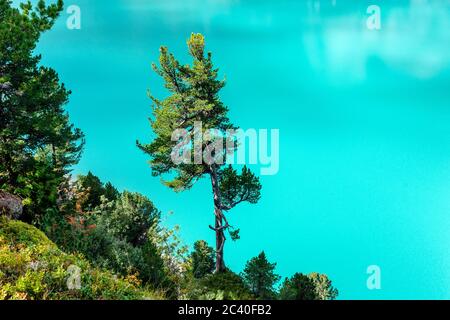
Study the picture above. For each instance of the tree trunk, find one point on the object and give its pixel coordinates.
(219, 228)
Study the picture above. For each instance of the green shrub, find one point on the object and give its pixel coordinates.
(218, 286)
(113, 237)
(129, 217)
(32, 267)
(314, 286)
(298, 287)
(202, 259)
(18, 232)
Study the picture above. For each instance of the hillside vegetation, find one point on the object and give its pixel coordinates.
(65, 237)
(33, 267)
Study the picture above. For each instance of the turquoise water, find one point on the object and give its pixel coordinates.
(363, 115)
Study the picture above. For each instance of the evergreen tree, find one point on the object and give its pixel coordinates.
(260, 277)
(94, 191)
(110, 192)
(323, 287)
(202, 259)
(32, 99)
(313, 286)
(298, 287)
(194, 98)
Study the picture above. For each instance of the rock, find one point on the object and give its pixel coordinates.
(10, 205)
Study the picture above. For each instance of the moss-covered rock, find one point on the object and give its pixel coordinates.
(32, 267)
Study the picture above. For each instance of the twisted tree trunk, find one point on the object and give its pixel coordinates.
(219, 220)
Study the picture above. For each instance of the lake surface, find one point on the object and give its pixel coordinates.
(364, 120)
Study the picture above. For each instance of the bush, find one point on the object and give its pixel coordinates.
(13, 232)
(314, 286)
(32, 267)
(156, 274)
(218, 286)
(298, 287)
(202, 259)
(103, 249)
(113, 236)
(130, 217)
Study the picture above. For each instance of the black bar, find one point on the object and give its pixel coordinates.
(219, 309)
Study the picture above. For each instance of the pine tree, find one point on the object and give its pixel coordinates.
(298, 287)
(314, 286)
(36, 137)
(94, 189)
(202, 259)
(260, 277)
(194, 98)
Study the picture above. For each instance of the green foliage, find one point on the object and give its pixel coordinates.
(13, 232)
(219, 286)
(37, 142)
(202, 259)
(32, 267)
(260, 277)
(39, 187)
(194, 99)
(234, 233)
(155, 272)
(121, 235)
(95, 192)
(111, 253)
(110, 192)
(217, 295)
(104, 250)
(56, 226)
(236, 188)
(323, 286)
(94, 188)
(314, 286)
(130, 217)
(116, 239)
(298, 287)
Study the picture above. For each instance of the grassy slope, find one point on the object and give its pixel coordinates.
(32, 267)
